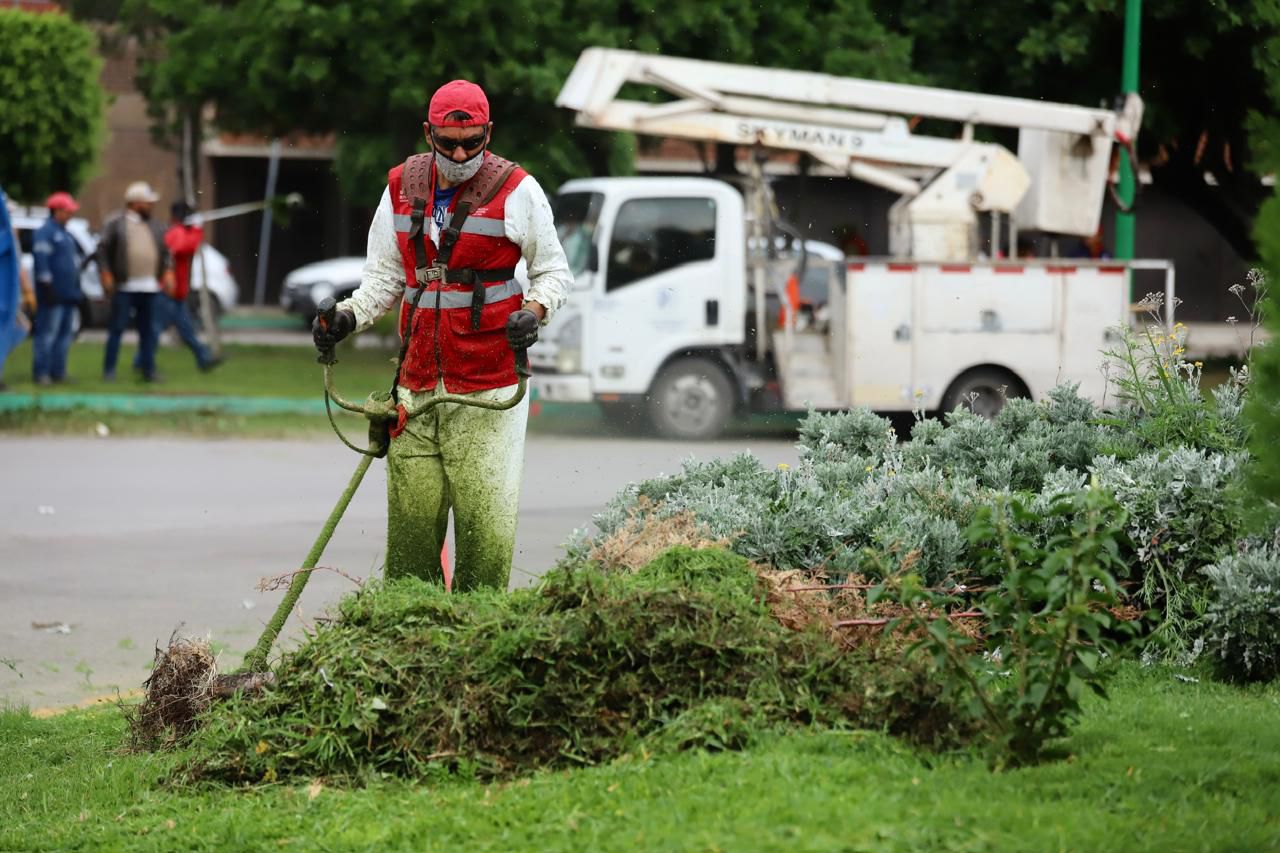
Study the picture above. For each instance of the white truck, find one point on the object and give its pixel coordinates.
(674, 315)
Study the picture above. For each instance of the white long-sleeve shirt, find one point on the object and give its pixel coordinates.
(528, 222)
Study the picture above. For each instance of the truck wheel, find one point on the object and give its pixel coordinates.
(983, 391)
(692, 399)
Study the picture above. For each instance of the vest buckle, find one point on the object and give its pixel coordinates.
(435, 272)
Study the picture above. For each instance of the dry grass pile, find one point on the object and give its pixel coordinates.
(179, 689)
(645, 536)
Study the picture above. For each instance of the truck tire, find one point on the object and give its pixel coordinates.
(692, 399)
(992, 385)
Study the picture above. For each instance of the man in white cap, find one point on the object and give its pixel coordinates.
(135, 266)
(443, 247)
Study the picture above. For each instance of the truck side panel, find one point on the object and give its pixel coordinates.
(916, 327)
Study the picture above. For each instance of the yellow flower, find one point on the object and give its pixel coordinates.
(1179, 350)
(1199, 364)
(782, 466)
(868, 469)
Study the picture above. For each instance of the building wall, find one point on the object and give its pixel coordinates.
(128, 152)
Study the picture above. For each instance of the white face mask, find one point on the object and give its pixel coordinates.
(456, 173)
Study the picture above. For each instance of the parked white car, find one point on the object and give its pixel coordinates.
(307, 286)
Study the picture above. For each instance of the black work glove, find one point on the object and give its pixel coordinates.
(522, 329)
(327, 337)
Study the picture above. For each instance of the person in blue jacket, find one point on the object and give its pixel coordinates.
(57, 274)
(14, 290)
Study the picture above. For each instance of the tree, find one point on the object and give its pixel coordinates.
(1264, 394)
(51, 115)
(365, 71)
(1206, 67)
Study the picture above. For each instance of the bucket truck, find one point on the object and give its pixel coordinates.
(670, 317)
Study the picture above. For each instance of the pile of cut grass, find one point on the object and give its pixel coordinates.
(683, 652)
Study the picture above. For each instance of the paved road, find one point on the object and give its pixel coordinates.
(120, 541)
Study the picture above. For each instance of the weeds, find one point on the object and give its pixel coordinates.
(1047, 626)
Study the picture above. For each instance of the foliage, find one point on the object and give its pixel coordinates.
(412, 681)
(1159, 391)
(1244, 614)
(862, 502)
(1046, 626)
(1198, 99)
(1185, 509)
(365, 71)
(1263, 408)
(51, 115)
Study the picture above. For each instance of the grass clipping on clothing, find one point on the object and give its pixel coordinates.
(591, 665)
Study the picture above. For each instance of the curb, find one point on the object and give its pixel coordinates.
(91, 702)
(145, 404)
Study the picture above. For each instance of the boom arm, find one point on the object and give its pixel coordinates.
(857, 127)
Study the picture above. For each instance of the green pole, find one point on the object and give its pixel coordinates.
(256, 660)
(1128, 84)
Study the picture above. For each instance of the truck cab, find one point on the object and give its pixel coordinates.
(655, 323)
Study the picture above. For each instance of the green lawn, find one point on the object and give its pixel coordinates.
(279, 372)
(251, 371)
(1166, 765)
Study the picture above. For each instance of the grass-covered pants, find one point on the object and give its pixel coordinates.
(462, 458)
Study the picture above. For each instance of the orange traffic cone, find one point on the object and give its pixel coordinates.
(793, 300)
(444, 564)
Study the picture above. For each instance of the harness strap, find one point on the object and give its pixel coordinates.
(417, 185)
(446, 299)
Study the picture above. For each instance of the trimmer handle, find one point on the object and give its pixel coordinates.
(522, 362)
(325, 312)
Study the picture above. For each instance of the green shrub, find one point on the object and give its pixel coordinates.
(1046, 626)
(1160, 401)
(51, 114)
(861, 502)
(1185, 510)
(412, 681)
(1244, 615)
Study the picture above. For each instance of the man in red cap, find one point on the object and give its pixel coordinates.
(449, 232)
(57, 275)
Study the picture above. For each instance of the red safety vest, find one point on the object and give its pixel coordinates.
(464, 342)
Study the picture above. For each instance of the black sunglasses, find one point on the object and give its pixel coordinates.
(471, 143)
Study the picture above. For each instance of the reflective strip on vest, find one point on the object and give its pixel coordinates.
(462, 298)
(474, 225)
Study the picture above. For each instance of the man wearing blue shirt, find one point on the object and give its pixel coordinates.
(57, 274)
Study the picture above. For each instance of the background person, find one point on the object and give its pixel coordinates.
(183, 240)
(135, 268)
(15, 291)
(57, 274)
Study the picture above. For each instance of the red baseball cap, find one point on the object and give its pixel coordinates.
(62, 201)
(458, 96)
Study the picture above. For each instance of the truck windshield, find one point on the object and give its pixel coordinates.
(576, 217)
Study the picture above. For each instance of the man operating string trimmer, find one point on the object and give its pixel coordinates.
(444, 244)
